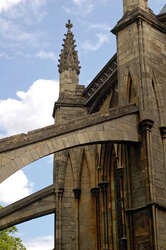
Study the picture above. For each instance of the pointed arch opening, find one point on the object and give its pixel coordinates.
(114, 99)
(131, 93)
(156, 103)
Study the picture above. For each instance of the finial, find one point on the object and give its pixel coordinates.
(69, 57)
(69, 25)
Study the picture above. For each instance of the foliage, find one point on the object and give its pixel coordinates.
(8, 241)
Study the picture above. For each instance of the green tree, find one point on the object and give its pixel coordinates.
(8, 240)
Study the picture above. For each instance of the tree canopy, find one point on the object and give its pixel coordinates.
(8, 240)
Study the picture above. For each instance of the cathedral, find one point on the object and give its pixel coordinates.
(108, 142)
(113, 195)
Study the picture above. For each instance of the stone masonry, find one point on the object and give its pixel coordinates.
(109, 145)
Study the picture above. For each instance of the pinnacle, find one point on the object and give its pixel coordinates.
(69, 56)
(69, 25)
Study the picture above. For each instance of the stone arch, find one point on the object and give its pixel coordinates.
(83, 162)
(131, 95)
(124, 87)
(122, 129)
(91, 153)
(67, 206)
(69, 166)
(76, 159)
(86, 207)
(61, 162)
(102, 160)
(59, 170)
(114, 99)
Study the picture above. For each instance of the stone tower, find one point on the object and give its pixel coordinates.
(129, 5)
(113, 196)
(141, 58)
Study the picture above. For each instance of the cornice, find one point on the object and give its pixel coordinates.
(137, 14)
(76, 101)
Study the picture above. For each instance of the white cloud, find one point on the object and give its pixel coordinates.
(97, 26)
(12, 32)
(84, 7)
(80, 7)
(15, 187)
(84, 2)
(46, 55)
(78, 1)
(102, 26)
(33, 109)
(40, 243)
(4, 55)
(101, 39)
(30, 11)
(6, 4)
(16, 19)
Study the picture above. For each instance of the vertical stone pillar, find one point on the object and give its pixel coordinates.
(163, 134)
(96, 192)
(123, 240)
(146, 127)
(103, 187)
(77, 193)
(58, 230)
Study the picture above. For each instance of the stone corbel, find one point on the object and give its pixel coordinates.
(77, 193)
(146, 125)
(103, 186)
(163, 132)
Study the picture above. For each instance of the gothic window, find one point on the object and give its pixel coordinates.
(131, 94)
(114, 99)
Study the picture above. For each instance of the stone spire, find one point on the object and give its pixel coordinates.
(69, 56)
(70, 104)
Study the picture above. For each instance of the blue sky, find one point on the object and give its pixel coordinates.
(31, 33)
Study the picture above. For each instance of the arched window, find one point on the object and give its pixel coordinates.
(131, 94)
